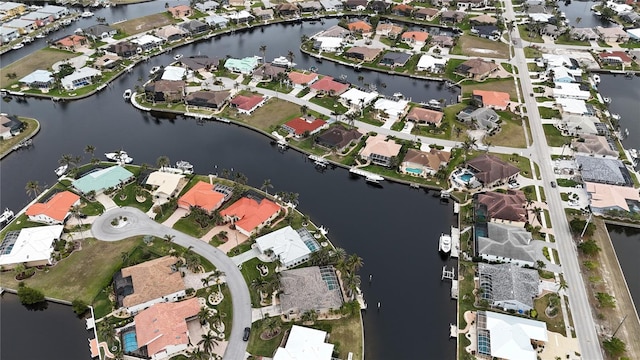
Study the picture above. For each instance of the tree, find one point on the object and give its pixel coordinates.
(309, 315)
(163, 161)
(614, 347)
(304, 109)
(169, 238)
(563, 285)
(208, 342)
(29, 296)
(263, 51)
(79, 307)
(197, 354)
(68, 160)
(540, 264)
(90, 149)
(577, 226)
(266, 185)
(76, 213)
(589, 247)
(33, 188)
(354, 263)
(291, 56)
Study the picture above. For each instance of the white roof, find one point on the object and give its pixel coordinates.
(428, 61)
(540, 17)
(619, 8)
(570, 90)
(560, 72)
(305, 344)
(285, 243)
(82, 73)
(7, 31)
(329, 42)
(40, 76)
(587, 124)
(242, 14)
(8, 5)
(19, 23)
(573, 106)
(511, 336)
(554, 60)
(356, 96)
(634, 33)
(174, 73)
(391, 107)
(147, 39)
(32, 244)
(52, 9)
(166, 182)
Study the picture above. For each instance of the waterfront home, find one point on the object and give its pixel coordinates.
(194, 27)
(80, 78)
(424, 163)
(124, 49)
(356, 5)
(360, 27)
(571, 91)
(99, 180)
(444, 41)
(390, 109)
(208, 99)
(362, 53)
(603, 170)
(357, 99)
(239, 17)
(165, 91)
(31, 246)
(561, 74)
(335, 32)
(508, 287)
(507, 244)
(605, 198)
(483, 19)
(165, 185)
(291, 247)
(171, 33)
(431, 64)
(476, 69)
(502, 336)
(9, 9)
(174, 73)
(402, 10)
(583, 34)
(631, 17)
(303, 341)
(380, 150)
(490, 32)
(250, 215)
(164, 330)
(23, 26)
(578, 125)
(200, 62)
(496, 100)
(268, 72)
(107, 61)
(329, 86)
(304, 127)
(54, 210)
(302, 80)
(552, 31)
(573, 106)
(472, 4)
(453, 17)
(615, 58)
(422, 116)
(38, 79)
(8, 34)
(554, 60)
(10, 126)
(100, 31)
(147, 42)
(338, 137)
(481, 118)
(491, 170)
(41, 19)
(287, 10)
(202, 195)
(328, 44)
(332, 5)
(378, 6)
(426, 14)
(612, 34)
(509, 206)
(310, 288)
(415, 38)
(618, 8)
(243, 66)
(395, 58)
(56, 11)
(388, 30)
(207, 6)
(71, 42)
(180, 11)
(263, 14)
(247, 104)
(216, 21)
(594, 145)
(139, 286)
(309, 6)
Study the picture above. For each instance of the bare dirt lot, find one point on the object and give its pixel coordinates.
(41, 59)
(145, 23)
(476, 46)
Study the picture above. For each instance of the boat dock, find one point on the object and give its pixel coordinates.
(24, 143)
(360, 299)
(454, 289)
(455, 242)
(319, 160)
(453, 331)
(448, 274)
(456, 208)
(369, 176)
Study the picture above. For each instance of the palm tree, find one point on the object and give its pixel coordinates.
(76, 213)
(291, 56)
(273, 325)
(263, 50)
(205, 281)
(169, 238)
(351, 283)
(354, 263)
(203, 315)
(304, 109)
(338, 256)
(163, 161)
(90, 149)
(266, 185)
(563, 285)
(33, 188)
(225, 173)
(106, 331)
(197, 354)
(68, 160)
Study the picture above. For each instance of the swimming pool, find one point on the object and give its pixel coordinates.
(466, 177)
(129, 341)
(413, 171)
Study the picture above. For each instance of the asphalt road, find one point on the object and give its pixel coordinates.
(138, 223)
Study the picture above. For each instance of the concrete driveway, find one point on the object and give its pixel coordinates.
(138, 223)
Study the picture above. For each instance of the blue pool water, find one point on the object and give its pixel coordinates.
(130, 342)
(413, 170)
(466, 177)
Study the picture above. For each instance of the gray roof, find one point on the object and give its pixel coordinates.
(486, 118)
(507, 241)
(307, 289)
(603, 170)
(99, 29)
(506, 282)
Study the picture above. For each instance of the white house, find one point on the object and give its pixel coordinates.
(56, 11)
(55, 210)
(287, 245)
(207, 6)
(8, 34)
(573, 106)
(328, 44)
(357, 99)
(305, 343)
(165, 184)
(174, 73)
(23, 26)
(509, 337)
(563, 75)
(38, 79)
(394, 109)
(430, 63)
(30, 246)
(570, 91)
(147, 42)
(81, 77)
(216, 20)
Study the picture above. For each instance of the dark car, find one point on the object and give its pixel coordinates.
(245, 336)
(553, 184)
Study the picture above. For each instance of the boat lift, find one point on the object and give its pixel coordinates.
(369, 176)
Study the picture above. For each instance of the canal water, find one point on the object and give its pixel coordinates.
(580, 15)
(626, 242)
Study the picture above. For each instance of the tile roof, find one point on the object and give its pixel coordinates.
(152, 280)
(305, 289)
(163, 325)
(302, 78)
(250, 212)
(381, 146)
(419, 114)
(338, 136)
(390, 28)
(420, 36)
(490, 168)
(513, 242)
(247, 102)
(611, 196)
(361, 26)
(203, 196)
(328, 84)
(476, 67)
(432, 159)
(300, 125)
(616, 54)
(603, 170)
(102, 179)
(428, 11)
(509, 206)
(56, 208)
(497, 99)
(510, 282)
(71, 40)
(593, 144)
(367, 52)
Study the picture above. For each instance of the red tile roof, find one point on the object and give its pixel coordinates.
(361, 26)
(421, 36)
(497, 99)
(302, 79)
(164, 325)
(56, 208)
(202, 196)
(71, 40)
(247, 102)
(250, 212)
(327, 84)
(300, 125)
(619, 54)
(509, 206)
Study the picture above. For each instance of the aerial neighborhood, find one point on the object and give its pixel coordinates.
(521, 141)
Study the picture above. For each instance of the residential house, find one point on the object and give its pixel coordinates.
(165, 91)
(80, 78)
(247, 104)
(615, 58)
(378, 6)
(103, 179)
(100, 31)
(426, 14)
(304, 127)
(452, 17)
(511, 337)
(490, 32)
(10, 9)
(561, 74)
(421, 115)
(335, 32)
(612, 34)
(553, 31)
(508, 287)
(482, 118)
(402, 10)
(195, 27)
(357, 99)
(200, 62)
(56, 11)
(573, 106)
(216, 21)
(554, 60)
(431, 64)
(356, 5)
(165, 185)
(578, 125)
(40, 19)
(268, 72)
(180, 11)
(207, 6)
(302, 80)
(496, 100)
(71, 42)
(390, 109)
(287, 10)
(443, 41)
(476, 69)
(360, 27)
(472, 4)
(338, 137)
(250, 215)
(23, 26)
(244, 66)
(156, 281)
(630, 17)
(483, 20)
(388, 30)
(491, 171)
(607, 198)
(208, 99)
(54, 210)
(603, 170)
(571, 91)
(363, 53)
(32, 246)
(240, 17)
(594, 145)
(422, 163)
(107, 61)
(263, 14)
(332, 5)
(8, 34)
(124, 49)
(10, 126)
(291, 247)
(310, 6)
(508, 244)
(395, 58)
(147, 42)
(509, 206)
(309, 288)
(328, 44)
(303, 341)
(583, 34)
(329, 86)
(38, 79)
(201, 195)
(171, 33)
(380, 151)
(415, 38)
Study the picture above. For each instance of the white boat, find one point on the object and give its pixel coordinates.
(40, 36)
(27, 40)
(87, 14)
(607, 100)
(6, 216)
(444, 245)
(633, 153)
(17, 46)
(616, 116)
(127, 94)
(596, 78)
(177, 57)
(61, 170)
(154, 70)
(66, 22)
(184, 165)
(282, 61)
(398, 95)
(120, 157)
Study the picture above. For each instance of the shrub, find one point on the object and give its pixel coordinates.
(79, 306)
(29, 296)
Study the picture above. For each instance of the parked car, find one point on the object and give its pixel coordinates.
(553, 184)
(247, 332)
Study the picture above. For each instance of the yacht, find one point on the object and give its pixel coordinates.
(184, 165)
(40, 36)
(17, 46)
(154, 70)
(27, 40)
(607, 100)
(444, 245)
(66, 22)
(616, 117)
(177, 57)
(633, 153)
(87, 14)
(596, 78)
(120, 157)
(282, 61)
(398, 95)
(127, 94)
(5, 217)
(61, 170)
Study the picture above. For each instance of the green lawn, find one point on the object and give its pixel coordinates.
(556, 323)
(127, 197)
(554, 136)
(345, 334)
(566, 39)
(531, 53)
(91, 208)
(524, 34)
(188, 226)
(548, 113)
(30, 126)
(522, 162)
(329, 103)
(259, 347)
(250, 272)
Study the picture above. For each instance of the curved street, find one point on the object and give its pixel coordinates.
(138, 223)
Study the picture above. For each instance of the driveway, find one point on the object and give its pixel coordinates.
(138, 223)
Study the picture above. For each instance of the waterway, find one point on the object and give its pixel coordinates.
(580, 15)
(626, 241)
(394, 229)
